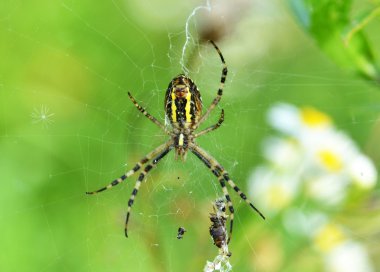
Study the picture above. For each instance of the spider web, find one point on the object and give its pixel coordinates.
(67, 126)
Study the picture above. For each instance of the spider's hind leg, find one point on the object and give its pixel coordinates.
(229, 203)
(237, 190)
(223, 177)
(210, 163)
(131, 172)
(155, 161)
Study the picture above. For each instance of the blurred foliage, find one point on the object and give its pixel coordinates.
(67, 126)
(341, 37)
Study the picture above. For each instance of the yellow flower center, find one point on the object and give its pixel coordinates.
(278, 197)
(313, 118)
(329, 237)
(330, 160)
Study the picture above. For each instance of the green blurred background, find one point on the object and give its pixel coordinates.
(74, 61)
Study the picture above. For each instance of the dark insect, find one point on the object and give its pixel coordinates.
(183, 110)
(181, 232)
(218, 229)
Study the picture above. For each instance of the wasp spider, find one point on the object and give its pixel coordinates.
(183, 108)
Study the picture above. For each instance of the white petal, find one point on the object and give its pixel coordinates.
(328, 189)
(283, 153)
(271, 190)
(285, 117)
(302, 223)
(349, 257)
(363, 172)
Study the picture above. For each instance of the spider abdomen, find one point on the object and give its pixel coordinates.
(183, 103)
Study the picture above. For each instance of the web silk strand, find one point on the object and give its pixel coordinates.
(188, 34)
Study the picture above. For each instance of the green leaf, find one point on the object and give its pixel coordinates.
(341, 38)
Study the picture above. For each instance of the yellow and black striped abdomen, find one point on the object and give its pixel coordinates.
(183, 103)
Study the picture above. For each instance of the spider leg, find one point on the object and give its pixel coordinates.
(149, 116)
(213, 127)
(163, 153)
(144, 160)
(220, 90)
(223, 176)
(212, 164)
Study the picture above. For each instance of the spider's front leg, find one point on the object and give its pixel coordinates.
(147, 114)
(213, 127)
(219, 94)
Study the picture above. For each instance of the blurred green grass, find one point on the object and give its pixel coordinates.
(79, 59)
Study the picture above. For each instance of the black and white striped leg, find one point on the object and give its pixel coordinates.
(146, 113)
(229, 204)
(213, 127)
(143, 161)
(237, 190)
(143, 173)
(220, 90)
(208, 161)
(222, 174)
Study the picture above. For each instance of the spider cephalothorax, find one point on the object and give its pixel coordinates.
(183, 110)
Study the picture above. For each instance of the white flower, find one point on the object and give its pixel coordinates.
(285, 118)
(284, 153)
(312, 153)
(328, 189)
(333, 150)
(349, 256)
(291, 120)
(328, 236)
(340, 252)
(272, 190)
(314, 158)
(298, 222)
